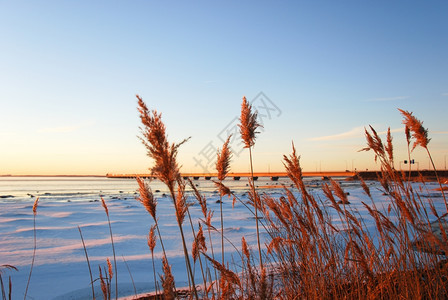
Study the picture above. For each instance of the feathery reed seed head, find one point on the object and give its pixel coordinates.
(199, 244)
(147, 197)
(245, 248)
(35, 205)
(223, 161)
(158, 148)
(152, 239)
(248, 124)
(103, 203)
(389, 147)
(181, 203)
(223, 190)
(415, 126)
(109, 267)
(103, 284)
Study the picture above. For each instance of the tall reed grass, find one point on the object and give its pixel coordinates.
(307, 255)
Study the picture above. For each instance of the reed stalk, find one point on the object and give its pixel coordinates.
(180, 214)
(35, 245)
(152, 240)
(207, 219)
(130, 275)
(248, 130)
(223, 167)
(88, 263)
(113, 246)
(255, 208)
(196, 247)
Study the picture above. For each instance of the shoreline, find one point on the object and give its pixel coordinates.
(13, 176)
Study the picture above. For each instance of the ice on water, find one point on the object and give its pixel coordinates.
(61, 270)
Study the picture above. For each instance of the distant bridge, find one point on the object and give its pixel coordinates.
(238, 175)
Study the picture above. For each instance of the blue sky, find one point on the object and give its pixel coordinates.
(70, 70)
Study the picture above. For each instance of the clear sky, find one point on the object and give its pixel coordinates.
(70, 70)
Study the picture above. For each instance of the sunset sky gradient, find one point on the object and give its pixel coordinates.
(70, 71)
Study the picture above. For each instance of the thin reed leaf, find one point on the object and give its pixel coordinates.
(88, 263)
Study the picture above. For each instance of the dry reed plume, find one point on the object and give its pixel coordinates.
(147, 197)
(155, 140)
(106, 280)
(419, 133)
(248, 124)
(223, 162)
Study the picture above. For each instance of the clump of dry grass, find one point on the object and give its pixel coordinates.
(167, 281)
(308, 255)
(106, 280)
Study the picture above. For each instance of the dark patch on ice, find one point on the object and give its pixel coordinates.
(124, 289)
(233, 229)
(13, 215)
(431, 195)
